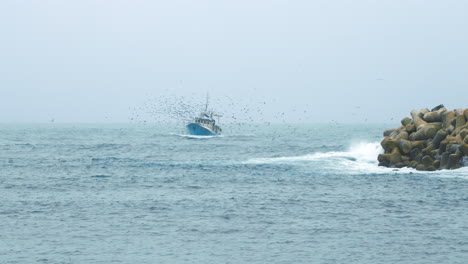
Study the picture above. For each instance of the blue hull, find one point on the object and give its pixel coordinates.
(197, 130)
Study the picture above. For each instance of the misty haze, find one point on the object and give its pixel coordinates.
(323, 131)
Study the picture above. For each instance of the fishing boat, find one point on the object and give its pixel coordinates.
(204, 124)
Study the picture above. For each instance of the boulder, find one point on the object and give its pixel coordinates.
(453, 162)
(389, 144)
(426, 131)
(410, 128)
(406, 121)
(441, 135)
(434, 116)
(460, 121)
(437, 108)
(429, 140)
(427, 161)
(464, 148)
(463, 133)
(447, 118)
(418, 122)
(460, 111)
(388, 132)
(444, 161)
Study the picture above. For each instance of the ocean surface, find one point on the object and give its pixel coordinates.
(259, 194)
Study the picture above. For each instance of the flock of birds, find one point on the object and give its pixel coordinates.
(236, 115)
(164, 109)
(172, 108)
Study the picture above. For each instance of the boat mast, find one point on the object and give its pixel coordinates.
(206, 105)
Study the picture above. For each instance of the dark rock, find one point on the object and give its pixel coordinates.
(464, 148)
(441, 135)
(384, 163)
(453, 162)
(437, 107)
(420, 167)
(414, 153)
(444, 160)
(427, 161)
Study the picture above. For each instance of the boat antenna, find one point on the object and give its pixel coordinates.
(206, 105)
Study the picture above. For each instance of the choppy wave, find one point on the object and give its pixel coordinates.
(121, 182)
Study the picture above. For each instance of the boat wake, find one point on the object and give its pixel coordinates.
(196, 137)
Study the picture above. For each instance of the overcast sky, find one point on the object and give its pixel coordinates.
(350, 61)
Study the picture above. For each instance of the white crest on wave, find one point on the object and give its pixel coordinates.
(364, 152)
(361, 158)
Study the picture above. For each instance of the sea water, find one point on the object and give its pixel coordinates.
(258, 194)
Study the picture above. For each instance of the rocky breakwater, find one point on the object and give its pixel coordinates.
(429, 140)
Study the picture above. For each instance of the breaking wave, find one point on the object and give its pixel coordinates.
(362, 152)
(361, 158)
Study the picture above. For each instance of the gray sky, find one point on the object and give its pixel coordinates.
(96, 61)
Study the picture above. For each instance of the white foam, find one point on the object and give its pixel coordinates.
(361, 158)
(458, 173)
(196, 137)
(364, 152)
